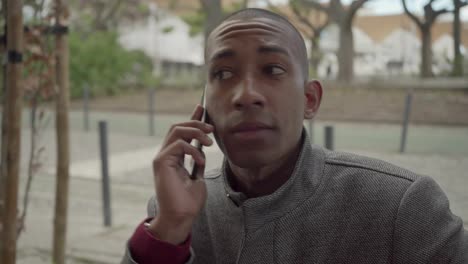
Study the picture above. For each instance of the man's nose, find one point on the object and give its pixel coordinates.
(247, 95)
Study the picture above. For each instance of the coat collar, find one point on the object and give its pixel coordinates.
(301, 186)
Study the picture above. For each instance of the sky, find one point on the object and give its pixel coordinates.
(383, 7)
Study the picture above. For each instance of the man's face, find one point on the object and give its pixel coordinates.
(255, 95)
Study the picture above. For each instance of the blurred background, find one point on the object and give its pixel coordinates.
(113, 76)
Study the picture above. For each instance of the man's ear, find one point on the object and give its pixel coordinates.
(313, 97)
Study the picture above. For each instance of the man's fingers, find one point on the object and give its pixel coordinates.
(197, 113)
(207, 128)
(200, 170)
(177, 143)
(187, 134)
(177, 150)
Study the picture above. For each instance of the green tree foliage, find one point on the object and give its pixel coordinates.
(104, 15)
(102, 63)
(198, 19)
(96, 57)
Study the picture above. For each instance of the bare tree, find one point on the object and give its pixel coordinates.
(106, 15)
(37, 7)
(214, 14)
(305, 16)
(38, 84)
(3, 171)
(458, 57)
(425, 26)
(62, 133)
(316, 29)
(11, 131)
(343, 16)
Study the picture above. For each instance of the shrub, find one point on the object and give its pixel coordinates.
(98, 60)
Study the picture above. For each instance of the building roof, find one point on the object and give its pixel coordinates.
(183, 7)
(378, 28)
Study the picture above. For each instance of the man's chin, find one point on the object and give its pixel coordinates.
(250, 159)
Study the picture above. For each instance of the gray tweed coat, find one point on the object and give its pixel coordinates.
(336, 208)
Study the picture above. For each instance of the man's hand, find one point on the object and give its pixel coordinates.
(180, 199)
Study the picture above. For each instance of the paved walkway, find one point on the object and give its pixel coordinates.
(89, 241)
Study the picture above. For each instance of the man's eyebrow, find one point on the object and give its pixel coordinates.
(272, 49)
(224, 53)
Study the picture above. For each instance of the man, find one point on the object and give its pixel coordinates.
(276, 198)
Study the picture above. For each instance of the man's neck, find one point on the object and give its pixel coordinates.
(264, 180)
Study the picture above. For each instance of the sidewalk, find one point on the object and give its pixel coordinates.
(131, 152)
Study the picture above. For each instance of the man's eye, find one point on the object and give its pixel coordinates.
(223, 75)
(274, 70)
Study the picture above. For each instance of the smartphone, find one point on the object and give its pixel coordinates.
(198, 145)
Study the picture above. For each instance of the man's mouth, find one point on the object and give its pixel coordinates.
(249, 127)
(250, 130)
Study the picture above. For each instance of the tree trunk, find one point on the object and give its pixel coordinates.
(62, 132)
(11, 129)
(3, 139)
(99, 23)
(346, 53)
(458, 57)
(315, 55)
(214, 15)
(426, 52)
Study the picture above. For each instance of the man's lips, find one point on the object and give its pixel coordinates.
(247, 127)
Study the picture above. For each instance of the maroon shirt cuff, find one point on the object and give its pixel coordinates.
(145, 248)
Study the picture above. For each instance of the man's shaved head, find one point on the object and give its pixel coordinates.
(257, 13)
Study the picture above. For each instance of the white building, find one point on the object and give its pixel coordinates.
(384, 45)
(164, 36)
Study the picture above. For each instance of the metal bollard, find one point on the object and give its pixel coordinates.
(406, 116)
(329, 140)
(151, 111)
(86, 107)
(106, 197)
